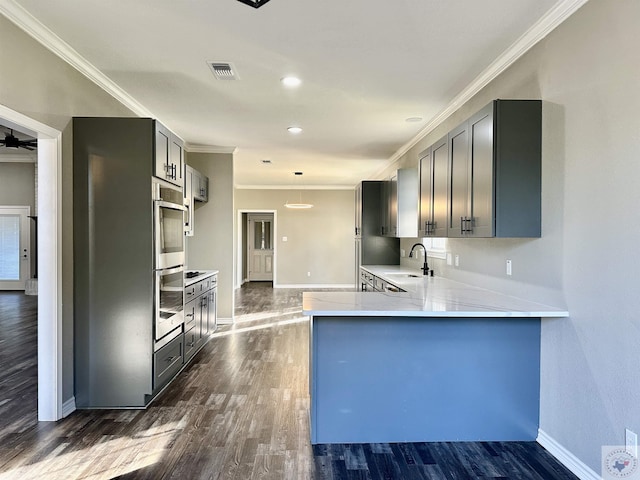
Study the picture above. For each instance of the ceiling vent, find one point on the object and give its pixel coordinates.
(223, 71)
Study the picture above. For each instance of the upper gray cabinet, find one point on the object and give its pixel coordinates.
(169, 156)
(196, 189)
(200, 186)
(400, 204)
(434, 175)
(495, 172)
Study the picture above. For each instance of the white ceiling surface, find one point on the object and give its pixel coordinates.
(366, 66)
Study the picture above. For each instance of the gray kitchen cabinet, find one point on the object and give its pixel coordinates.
(196, 191)
(200, 186)
(400, 204)
(200, 314)
(117, 362)
(169, 156)
(433, 204)
(495, 172)
(370, 246)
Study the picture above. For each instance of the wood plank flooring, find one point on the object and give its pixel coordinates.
(239, 411)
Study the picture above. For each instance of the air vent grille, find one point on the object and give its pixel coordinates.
(223, 71)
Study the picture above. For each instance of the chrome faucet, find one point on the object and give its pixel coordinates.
(425, 267)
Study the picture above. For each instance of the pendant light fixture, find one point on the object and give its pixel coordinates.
(300, 204)
(254, 3)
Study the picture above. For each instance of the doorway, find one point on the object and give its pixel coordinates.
(15, 247)
(260, 247)
(49, 252)
(242, 264)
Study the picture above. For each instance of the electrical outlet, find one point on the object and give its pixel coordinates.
(308, 274)
(457, 260)
(508, 267)
(402, 252)
(631, 442)
(449, 259)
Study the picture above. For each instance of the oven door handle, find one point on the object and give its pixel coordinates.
(168, 271)
(174, 206)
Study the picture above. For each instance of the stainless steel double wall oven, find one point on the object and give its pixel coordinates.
(169, 260)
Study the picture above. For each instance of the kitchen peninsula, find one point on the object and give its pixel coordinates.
(442, 361)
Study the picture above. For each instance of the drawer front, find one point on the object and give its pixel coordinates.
(190, 314)
(167, 362)
(190, 344)
(190, 292)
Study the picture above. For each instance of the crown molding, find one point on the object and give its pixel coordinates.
(191, 148)
(30, 25)
(550, 21)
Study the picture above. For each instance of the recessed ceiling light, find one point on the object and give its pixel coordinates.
(295, 130)
(291, 81)
(413, 119)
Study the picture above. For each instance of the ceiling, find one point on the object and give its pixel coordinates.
(366, 66)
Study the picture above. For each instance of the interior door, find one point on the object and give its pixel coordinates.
(15, 258)
(260, 247)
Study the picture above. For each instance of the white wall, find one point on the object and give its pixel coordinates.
(587, 73)
(319, 240)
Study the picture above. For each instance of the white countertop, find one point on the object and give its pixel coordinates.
(203, 274)
(424, 296)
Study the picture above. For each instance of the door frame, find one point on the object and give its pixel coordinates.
(242, 239)
(49, 211)
(23, 227)
(249, 240)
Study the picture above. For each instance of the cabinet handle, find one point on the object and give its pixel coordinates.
(171, 359)
(464, 227)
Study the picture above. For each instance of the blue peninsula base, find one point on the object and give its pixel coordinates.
(424, 379)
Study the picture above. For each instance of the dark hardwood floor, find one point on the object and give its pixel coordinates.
(239, 411)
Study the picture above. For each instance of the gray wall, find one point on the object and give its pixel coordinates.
(587, 72)
(319, 240)
(17, 184)
(39, 85)
(212, 245)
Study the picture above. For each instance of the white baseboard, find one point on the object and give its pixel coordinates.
(69, 407)
(315, 285)
(565, 457)
(225, 321)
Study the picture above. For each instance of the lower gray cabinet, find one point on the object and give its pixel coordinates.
(167, 362)
(200, 318)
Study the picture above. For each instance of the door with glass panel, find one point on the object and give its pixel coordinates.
(15, 258)
(260, 247)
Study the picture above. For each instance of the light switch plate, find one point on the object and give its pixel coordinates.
(508, 267)
(449, 259)
(457, 260)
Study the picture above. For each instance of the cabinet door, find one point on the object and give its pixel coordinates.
(176, 160)
(425, 222)
(458, 221)
(162, 168)
(440, 166)
(481, 158)
(202, 328)
(212, 324)
(358, 212)
(385, 192)
(188, 201)
(393, 206)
